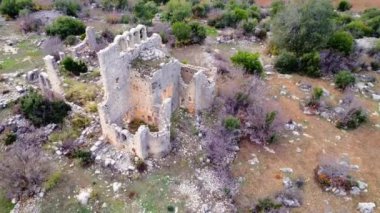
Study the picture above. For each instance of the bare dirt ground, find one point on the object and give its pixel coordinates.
(359, 145)
(358, 5)
(323, 139)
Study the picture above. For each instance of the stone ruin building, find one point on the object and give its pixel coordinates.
(143, 83)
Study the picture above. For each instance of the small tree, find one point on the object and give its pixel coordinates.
(64, 26)
(341, 41)
(75, 67)
(250, 62)
(344, 5)
(344, 79)
(304, 26)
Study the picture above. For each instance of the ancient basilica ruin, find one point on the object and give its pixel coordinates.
(144, 84)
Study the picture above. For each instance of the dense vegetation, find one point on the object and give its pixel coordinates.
(41, 111)
(65, 26)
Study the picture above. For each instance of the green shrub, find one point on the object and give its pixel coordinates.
(374, 24)
(64, 26)
(344, 5)
(74, 67)
(317, 93)
(267, 205)
(341, 41)
(344, 79)
(79, 122)
(231, 123)
(70, 40)
(343, 19)
(177, 10)
(182, 32)
(41, 111)
(52, 180)
(125, 19)
(114, 4)
(277, 6)
(85, 157)
(12, 8)
(145, 11)
(248, 61)
(233, 17)
(193, 33)
(315, 99)
(10, 138)
(200, 10)
(68, 7)
(310, 64)
(249, 26)
(255, 12)
(198, 33)
(352, 119)
(286, 63)
(358, 29)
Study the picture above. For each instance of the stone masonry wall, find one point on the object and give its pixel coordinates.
(150, 94)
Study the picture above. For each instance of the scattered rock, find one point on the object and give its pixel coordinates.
(366, 207)
(286, 170)
(376, 97)
(116, 186)
(84, 195)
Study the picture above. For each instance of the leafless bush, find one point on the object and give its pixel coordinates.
(290, 198)
(52, 46)
(351, 114)
(333, 62)
(222, 64)
(334, 172)
(22, 172)
(29, 23)
(219, 146)
(261, 117)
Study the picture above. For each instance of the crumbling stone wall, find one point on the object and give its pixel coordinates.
(89, 41)
(49, 82)
(142, 82)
